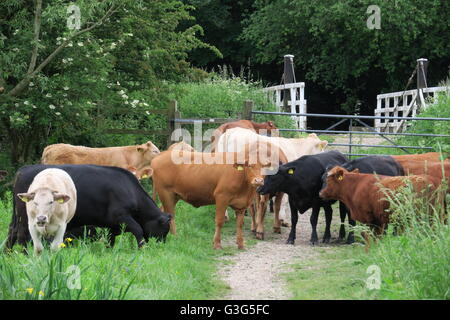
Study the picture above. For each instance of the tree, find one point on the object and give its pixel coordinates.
(63, 85)
(336, 49)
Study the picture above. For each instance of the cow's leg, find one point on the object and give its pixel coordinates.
(220, 219)
(277, 207)
(253, 213)
(239, 224)
(12, 237)
(261, 213)
(294, 219)
(227, 217)
(59, 238)
(36, 237)
(113, 233)
(135, 228)
(328, 218)
(343, 213)
(313, 219)
(351, 235)
(169, 200)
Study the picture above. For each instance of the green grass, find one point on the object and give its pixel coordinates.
(182, 268)
(413, 265)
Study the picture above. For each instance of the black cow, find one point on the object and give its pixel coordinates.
(107, 197)
(301, 179)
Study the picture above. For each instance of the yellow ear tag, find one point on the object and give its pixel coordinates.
(240, 168)
(340, 178)
(25, 199)
(291, 171)
(144, 176)
(60, 200)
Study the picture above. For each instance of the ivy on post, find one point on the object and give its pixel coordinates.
(247, 111)
(172, 114)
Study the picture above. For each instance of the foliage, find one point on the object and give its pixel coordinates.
(120, 66)
(184, 267)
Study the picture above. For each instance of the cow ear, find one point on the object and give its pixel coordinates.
(143, 147)
(239, 166)
(132, 169)
(147, 173)
(25, 197)
(61, 198)
(339, 174)
(323, 145)
(290, 171)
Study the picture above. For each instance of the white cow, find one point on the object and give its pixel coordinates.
(51, 202)
(234, 140)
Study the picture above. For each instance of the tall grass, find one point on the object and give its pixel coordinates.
(184, 267)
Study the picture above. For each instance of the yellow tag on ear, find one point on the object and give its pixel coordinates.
(340, 178)
(240, 168)
(25, 199)
(291, 171)
(60, 200)
(144, 176)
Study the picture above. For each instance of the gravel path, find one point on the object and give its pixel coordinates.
(255, 273)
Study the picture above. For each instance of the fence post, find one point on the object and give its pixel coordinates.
(172, 114)
(422, 66)
(288, 77)
(247, 111)
(350, 128)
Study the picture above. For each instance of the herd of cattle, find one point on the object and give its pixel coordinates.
(76, 189)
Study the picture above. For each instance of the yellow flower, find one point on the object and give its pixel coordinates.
(29, 290)
(62, 245)
(41, 293)
(69, 239)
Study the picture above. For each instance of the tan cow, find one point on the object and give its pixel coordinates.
(233, 141)
(223, 179)
(51, 202)
(138, 156)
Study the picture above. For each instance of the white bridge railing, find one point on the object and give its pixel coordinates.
(296, 104)
(392, 105)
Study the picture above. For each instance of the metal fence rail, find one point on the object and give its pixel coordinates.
(370, 130)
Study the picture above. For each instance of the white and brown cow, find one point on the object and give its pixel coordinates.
(51, 202)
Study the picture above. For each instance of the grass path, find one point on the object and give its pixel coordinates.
(258, 271)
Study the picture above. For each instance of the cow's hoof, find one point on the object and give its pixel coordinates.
(276, 229)
(326, 240)
(217, 247)
(350, 241)
(313, 242)
(260, 235)
(254, 231)
(241, 247)
(285, 224)
(289, 241)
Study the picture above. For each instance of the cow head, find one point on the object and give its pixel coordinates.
(3, 174)
(279, 181)
(42, 203)
(331, 189)
(157, 228)
(143, 173)
(252, 173)
(148, 151)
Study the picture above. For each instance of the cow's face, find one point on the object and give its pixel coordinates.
(333, 183)
(143, 173)
(42, 203)
(279, 181)
(158, 228)
(252, 173)
(148, 151)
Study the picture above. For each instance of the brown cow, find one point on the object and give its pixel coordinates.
(260, 128)
(431, 168)
(224, 179)
(404, 159)
(364, 197)
(138, 156)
